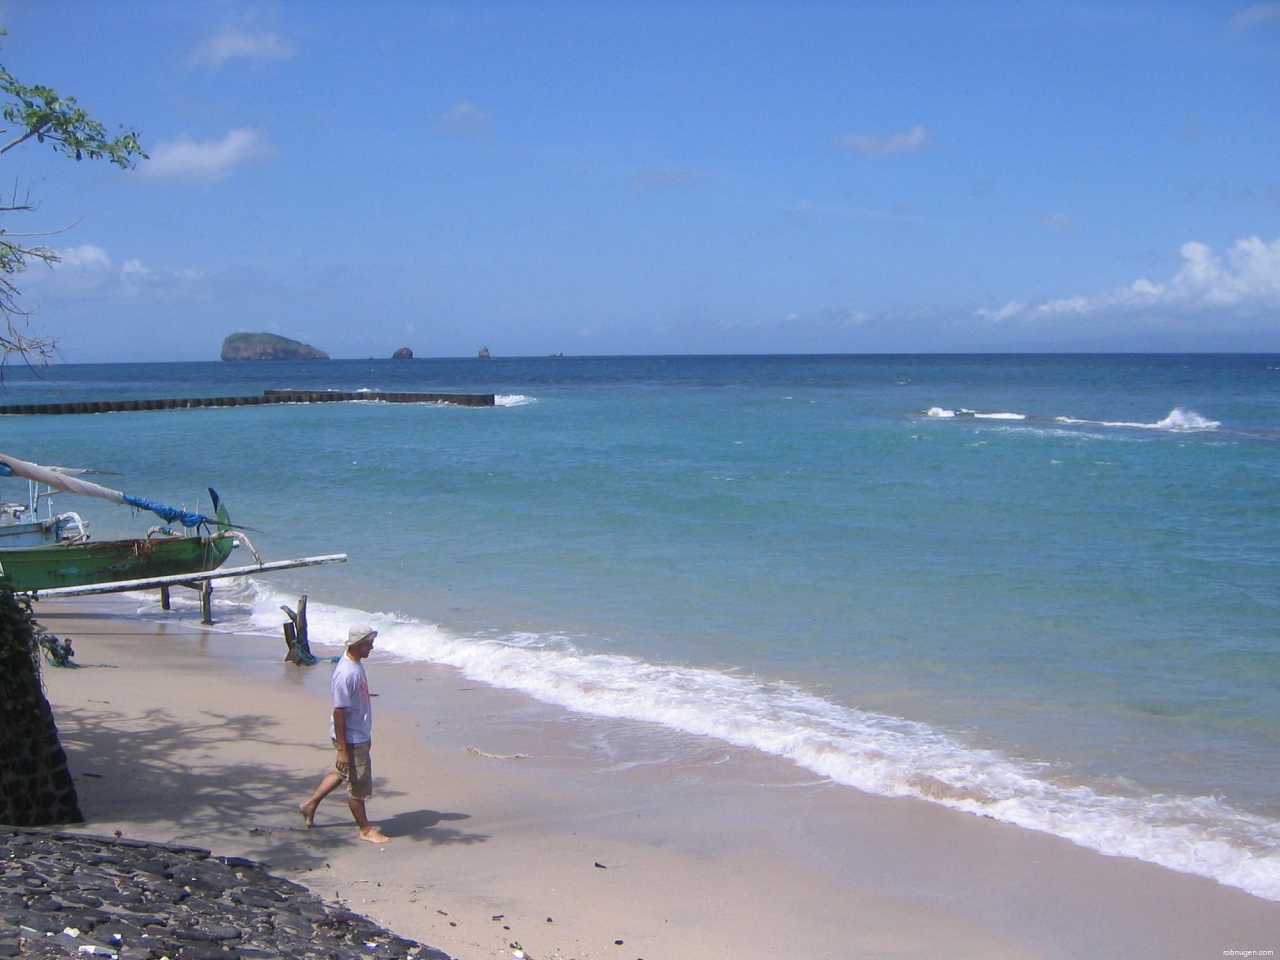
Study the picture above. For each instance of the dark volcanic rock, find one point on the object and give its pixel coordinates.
(268, 346)
(224, 908)
(404, 353)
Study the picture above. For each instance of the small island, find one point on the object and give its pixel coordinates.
(268, 346)
(404, 353)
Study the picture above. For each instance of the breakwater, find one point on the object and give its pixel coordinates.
(266, 397)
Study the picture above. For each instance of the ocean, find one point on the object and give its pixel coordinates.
(1041, 589)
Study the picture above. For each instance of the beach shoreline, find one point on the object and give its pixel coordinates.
(555, 824)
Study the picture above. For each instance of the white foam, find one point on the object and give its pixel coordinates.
(945, 413)
(875, 753)
(1178, 421)
(513, 400)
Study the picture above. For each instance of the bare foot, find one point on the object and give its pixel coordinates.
(374, 835)
(308, 814)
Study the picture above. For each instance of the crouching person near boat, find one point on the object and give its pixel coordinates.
(351, 732)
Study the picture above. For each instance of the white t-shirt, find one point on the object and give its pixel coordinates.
(351, 692)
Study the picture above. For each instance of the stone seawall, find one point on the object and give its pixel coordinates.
(75, 895)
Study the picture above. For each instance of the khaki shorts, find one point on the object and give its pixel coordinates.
(359, 773)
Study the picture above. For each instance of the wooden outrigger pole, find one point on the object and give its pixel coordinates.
(196, 581)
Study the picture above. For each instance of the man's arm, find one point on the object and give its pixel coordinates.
(340, 734)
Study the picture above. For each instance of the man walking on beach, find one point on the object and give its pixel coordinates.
(351, 732)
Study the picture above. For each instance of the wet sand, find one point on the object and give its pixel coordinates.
(515, 822)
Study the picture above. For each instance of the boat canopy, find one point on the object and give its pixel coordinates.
(64, 479)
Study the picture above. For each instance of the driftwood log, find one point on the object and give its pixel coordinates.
(295, 635)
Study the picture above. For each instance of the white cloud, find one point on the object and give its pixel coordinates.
(1258, 15)
(1060, 223)
(134, 270)
(230, 44)
(89, 272)
(1246, 284)
(86, 257)
(185, 158)
(465, 121)
(1010, 309)
(873, 146)
(666, 180)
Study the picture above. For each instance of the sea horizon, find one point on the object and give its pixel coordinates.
(870, 354)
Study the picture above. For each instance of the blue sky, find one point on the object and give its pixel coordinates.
(617, 178)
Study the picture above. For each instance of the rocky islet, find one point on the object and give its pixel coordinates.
(268, 346)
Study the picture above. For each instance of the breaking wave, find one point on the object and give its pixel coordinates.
(943, 413)
(1178, 420)
(876, 753)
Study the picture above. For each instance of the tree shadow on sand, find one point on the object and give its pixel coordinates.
(155, 771)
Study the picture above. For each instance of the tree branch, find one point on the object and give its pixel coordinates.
(44, 116)
(22, 139)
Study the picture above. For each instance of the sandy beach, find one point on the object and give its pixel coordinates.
(516, 823)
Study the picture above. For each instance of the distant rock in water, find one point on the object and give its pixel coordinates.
(404, 353)
(267, 346)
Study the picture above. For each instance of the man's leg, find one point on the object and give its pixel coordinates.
(368, 831)
(326, 787)
(360, 789)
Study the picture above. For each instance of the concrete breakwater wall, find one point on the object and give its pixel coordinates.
(267, 396)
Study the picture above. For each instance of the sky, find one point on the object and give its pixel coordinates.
(656, 177)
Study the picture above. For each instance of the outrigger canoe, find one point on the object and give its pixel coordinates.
(75, 560)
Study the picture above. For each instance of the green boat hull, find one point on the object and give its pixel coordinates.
(110, 561)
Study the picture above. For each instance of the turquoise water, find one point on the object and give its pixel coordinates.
(1041, 589)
